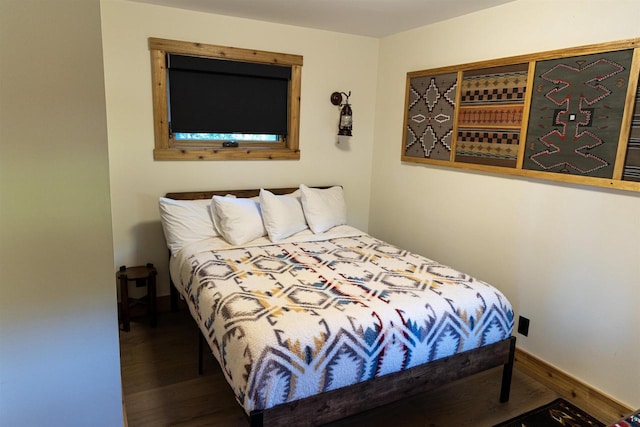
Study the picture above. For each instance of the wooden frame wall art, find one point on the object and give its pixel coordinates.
(569, 115)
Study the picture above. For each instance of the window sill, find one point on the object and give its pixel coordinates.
(240, 153)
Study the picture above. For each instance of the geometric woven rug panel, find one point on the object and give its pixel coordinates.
(430, 111)
(576, 114)
(631, 171)
(632, 420)
(490, 115)
(557, 413)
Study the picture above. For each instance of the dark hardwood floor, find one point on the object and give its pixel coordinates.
(162, 388)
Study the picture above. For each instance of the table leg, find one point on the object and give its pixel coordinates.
(124, 302)
(152, 297)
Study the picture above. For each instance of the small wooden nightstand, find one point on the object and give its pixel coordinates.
(143, 276)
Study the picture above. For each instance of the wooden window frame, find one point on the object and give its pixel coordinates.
(167, 148)
(615, 182)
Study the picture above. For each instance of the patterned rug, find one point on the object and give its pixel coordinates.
(557, 413)
(632, 420)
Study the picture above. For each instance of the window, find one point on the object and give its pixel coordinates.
(223, 103)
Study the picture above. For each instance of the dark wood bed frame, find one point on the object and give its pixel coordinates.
(336, 404)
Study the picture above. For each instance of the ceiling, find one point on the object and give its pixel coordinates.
(373, 18)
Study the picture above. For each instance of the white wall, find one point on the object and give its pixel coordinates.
(332, 62)
(568, 257)
(59, 354)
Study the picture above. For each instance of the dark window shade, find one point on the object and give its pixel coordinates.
(220, 96)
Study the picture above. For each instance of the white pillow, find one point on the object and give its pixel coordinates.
(238, 220)
(282, 215)
(323, 208)
(185, 221)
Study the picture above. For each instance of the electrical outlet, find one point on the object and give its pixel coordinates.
(523, 326)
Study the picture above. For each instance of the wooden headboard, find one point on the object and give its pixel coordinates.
(193, 195)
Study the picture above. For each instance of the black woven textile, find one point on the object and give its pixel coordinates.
(557, 413)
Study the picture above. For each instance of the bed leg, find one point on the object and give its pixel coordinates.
(507, 372)
(256, 419)
(173, 295)
(173, 291)
(200, 349)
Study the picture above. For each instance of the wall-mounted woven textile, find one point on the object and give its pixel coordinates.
(429, 123)
(631, 171)
(576, 113)
(570, 115)
(490, 115)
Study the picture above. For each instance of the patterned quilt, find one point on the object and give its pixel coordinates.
(290, 320)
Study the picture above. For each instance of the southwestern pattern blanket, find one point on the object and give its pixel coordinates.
(294, 319)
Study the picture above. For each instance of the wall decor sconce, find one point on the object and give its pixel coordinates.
(346, 114)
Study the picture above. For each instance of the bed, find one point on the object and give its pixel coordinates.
(312, 320)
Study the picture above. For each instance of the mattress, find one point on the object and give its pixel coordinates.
(315, 313)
